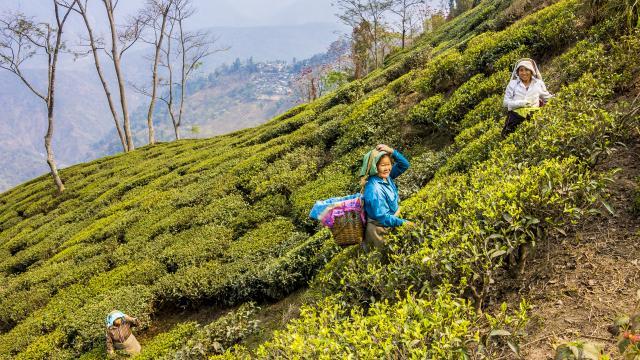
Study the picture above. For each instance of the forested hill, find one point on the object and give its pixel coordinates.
(178, 227)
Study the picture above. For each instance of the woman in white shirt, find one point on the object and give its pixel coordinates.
(525, 94)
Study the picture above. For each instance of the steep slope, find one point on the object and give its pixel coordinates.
(223, 221)
(580, 282)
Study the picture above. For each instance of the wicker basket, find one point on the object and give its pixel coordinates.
(348, 229)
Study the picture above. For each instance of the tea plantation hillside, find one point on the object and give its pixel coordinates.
(224, 221)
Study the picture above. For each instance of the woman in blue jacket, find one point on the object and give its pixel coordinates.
(381, 201)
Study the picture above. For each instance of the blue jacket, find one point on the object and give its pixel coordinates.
(381, 200)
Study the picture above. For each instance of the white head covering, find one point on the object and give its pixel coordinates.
(527, 64)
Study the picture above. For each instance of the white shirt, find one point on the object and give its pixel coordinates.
(517, 95)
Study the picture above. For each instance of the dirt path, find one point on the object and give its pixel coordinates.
(579, 283)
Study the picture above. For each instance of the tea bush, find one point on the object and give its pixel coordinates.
(164, 345)
(467, 96)
(410, 328)
(365, 121)
(500, 210)
(441, 73)
(220, 335)
(425, 112)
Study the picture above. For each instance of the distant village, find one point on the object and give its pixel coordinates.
(278, 79)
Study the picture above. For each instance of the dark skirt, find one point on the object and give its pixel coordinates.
(374, 235)
(512, 122)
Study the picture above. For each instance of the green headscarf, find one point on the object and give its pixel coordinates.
(370, 161)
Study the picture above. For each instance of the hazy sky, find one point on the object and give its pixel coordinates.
(222, 15)
(214, 12)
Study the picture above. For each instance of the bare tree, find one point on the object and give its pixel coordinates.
(157, 14)
(22, 38)
(191, 48)
(93, 42)
(121, 42)
(406, 11)
(355, 13)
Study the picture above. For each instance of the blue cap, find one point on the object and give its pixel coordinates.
(115, 314)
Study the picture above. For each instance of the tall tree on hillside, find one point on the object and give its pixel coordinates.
(457, 7)
(406, 11)
(94, 43)
(157, 13)
(121, 42)
(360, 44)
(305, 84)
(183, 52)
(355, 13)
(430, 18)
(22, 38)
(451, 8)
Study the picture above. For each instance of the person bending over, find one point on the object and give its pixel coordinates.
(119, 335)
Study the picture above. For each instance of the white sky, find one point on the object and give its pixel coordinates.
(214, 12)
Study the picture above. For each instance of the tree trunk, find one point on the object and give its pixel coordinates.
(107, 92)
(116, 63)
(169, 102)
(176, 129)
(314, 94)
(50, 158)
(152, 138)
(53, 60)
(183, 79)
(375, 44)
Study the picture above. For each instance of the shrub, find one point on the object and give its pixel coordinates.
(584, 57)
(473, 152)
(508, 60)
(286, 174)
(487, 111)
(220, 335)
(411, 327)
(196, 245)
(47, 347)
(230, 279)
(467, 96)
(441, 74)
(423, 168)
(166, 344)
(346, 94)
(366, 121)
(425, 112)
(283, 126)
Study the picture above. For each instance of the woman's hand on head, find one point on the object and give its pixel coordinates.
(385, 148)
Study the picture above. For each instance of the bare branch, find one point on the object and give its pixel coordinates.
(20, 39)
(140, 89)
